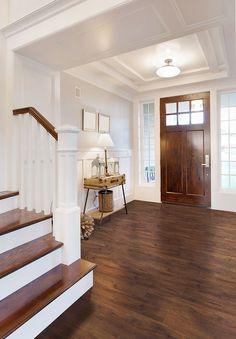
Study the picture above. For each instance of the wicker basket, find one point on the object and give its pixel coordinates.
(105, 200)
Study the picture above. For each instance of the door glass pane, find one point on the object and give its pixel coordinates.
(232, 126)
(233, 140)
(148, 141)
(232, 99)
(225, 167)
(183, 106)
(233, 182)
(225, 181)
(228, 137)
(233, 168)
(197, 118)
(233, 154)
(225, 141)
(232, 113)
(171, 108)
(224, 100)
(145, 109)
(171, 120)
(197, 105)
(225, 154)
(184, 119)
(224, 113)
(224, 127)
(151, 107)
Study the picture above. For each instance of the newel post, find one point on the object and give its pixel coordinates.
(66, 218)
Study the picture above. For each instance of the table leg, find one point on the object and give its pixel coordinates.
(126, 211)
(86, 199)
(103, 197)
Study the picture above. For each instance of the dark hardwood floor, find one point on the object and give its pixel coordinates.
(163, 271)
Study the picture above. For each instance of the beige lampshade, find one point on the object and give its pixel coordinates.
(105, 140)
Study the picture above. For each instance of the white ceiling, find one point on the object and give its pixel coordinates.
(123, 48)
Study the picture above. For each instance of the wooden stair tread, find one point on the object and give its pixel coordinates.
(20, 256)
(22, 305)
(17, 218)
(8, 194)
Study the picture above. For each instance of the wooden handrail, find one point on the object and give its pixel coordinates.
(39, 117)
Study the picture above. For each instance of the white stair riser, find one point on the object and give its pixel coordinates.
(19, 237)
(48, 314)
(8, 204)
(15, 280)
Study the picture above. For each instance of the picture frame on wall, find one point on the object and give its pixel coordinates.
(89, 121)
(103, 123)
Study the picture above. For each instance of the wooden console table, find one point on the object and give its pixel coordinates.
(105, 183)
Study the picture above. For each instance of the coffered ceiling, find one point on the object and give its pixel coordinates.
(123, 48)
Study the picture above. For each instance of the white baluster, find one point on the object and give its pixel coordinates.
(29, 150)
(46, 173)
(23, 131)
(37, 176)
(15, 177)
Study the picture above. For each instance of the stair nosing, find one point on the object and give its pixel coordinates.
(29, 260)
(9, 194)
(24, 224)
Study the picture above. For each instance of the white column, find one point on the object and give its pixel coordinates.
(66, 218)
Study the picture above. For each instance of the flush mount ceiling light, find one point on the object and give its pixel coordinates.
(168, 70)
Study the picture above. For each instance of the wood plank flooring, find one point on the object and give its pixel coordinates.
(163, 271)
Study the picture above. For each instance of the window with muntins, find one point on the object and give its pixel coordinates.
(148, 143)
(228, 140)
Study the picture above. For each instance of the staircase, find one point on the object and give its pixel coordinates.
(35, 287)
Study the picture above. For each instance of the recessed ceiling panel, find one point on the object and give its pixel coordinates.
(194, 12)
(185, 52)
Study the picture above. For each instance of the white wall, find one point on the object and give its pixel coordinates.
(97, 100)
(121, 117)
(221, 200)
(4, 13)
(39, 86)
(20, 8)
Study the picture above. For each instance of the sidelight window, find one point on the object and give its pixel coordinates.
(147, 144)
(228, 140)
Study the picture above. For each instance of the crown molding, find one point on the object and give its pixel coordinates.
(54, 8)
(39, 15)
(184, 80)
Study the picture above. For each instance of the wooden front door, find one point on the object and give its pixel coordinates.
(185, 149)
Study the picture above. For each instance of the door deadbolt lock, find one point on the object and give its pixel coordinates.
(207, 161)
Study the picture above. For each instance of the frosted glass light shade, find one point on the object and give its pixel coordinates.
(168, 70)
(105, 140)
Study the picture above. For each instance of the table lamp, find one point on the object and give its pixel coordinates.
(105, 141)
